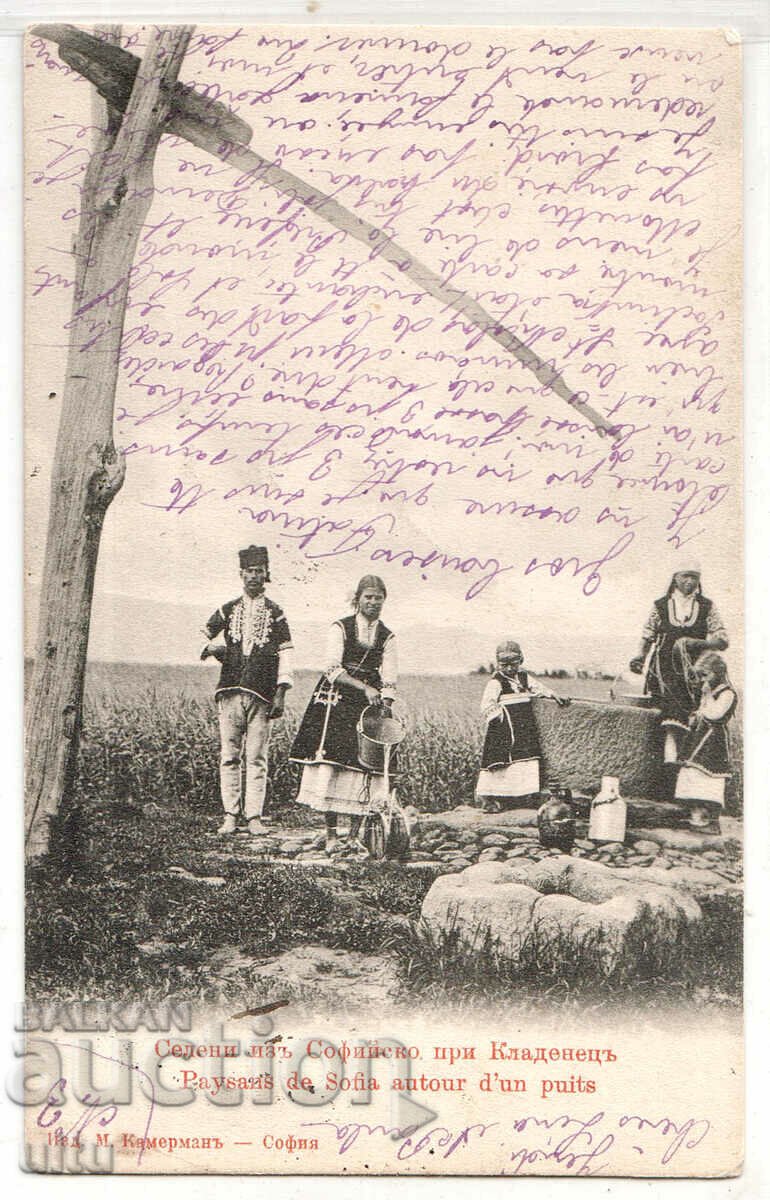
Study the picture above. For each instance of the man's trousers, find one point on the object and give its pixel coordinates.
(244, 731)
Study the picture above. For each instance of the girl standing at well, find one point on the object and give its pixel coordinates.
(362, 669)
(510, 760)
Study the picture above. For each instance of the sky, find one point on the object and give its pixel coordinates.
(161, 573)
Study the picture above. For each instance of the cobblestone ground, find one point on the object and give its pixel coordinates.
(698, 861)
(451, 841)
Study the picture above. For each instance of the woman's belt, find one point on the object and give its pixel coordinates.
(372, 677)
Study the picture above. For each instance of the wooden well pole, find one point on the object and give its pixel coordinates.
(87, 472)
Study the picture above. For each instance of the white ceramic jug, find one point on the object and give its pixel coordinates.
(608, 813)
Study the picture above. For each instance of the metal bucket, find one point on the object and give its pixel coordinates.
(634, 699)
(377, 730)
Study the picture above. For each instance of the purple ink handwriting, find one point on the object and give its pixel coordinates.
(571, 1145)
(276, 373)
(93, 1110)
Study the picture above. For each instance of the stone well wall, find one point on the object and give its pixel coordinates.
(586, 739)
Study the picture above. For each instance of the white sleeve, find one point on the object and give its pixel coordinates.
(285, 663)
(539, 689)
(389, 671)
(714, 708)
(715, 626)
(651, 626)
(335, 645)
(490, 701)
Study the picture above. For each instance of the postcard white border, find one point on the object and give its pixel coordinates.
(751, 22)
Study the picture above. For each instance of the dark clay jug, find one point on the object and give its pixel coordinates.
(556, 821)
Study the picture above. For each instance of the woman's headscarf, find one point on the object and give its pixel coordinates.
(688, 566)
(509, 647)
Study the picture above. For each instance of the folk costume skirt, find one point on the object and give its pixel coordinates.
(705, 765)
(326, 745)
(670, 680)
(510, 761)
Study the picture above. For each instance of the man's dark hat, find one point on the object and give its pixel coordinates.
(253, 556)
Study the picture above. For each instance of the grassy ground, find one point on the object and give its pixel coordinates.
(105, 918)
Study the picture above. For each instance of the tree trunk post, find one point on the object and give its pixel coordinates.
(87, 473)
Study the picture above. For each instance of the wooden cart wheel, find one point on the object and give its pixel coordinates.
(374, 835)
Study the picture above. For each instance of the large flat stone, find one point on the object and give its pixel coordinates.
(688, 840)
(567, 908)
(699, 883)
(466, 816)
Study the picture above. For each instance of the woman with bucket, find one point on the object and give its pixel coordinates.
(681, 625)
(361, 672)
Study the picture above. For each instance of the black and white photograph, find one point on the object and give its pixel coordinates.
(384, 646)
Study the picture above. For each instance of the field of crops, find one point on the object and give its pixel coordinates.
(151, 732)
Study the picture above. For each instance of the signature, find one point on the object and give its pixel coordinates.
(579, 1146)
(92, 1110)
(583, 1146)
(439, 1137)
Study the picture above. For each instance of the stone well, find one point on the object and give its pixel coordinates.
(564, 908)
(586, 740)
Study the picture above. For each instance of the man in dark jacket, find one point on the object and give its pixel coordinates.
(255, 676)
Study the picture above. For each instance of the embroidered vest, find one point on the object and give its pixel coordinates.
(697, 627)
(359, 660)
(507, 687)
(256, 672)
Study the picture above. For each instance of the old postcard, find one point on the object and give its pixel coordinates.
(384, 755)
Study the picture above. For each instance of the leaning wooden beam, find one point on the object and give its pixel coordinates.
(87, 472)
(107, 73)
(113, 70)
(105, 121)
